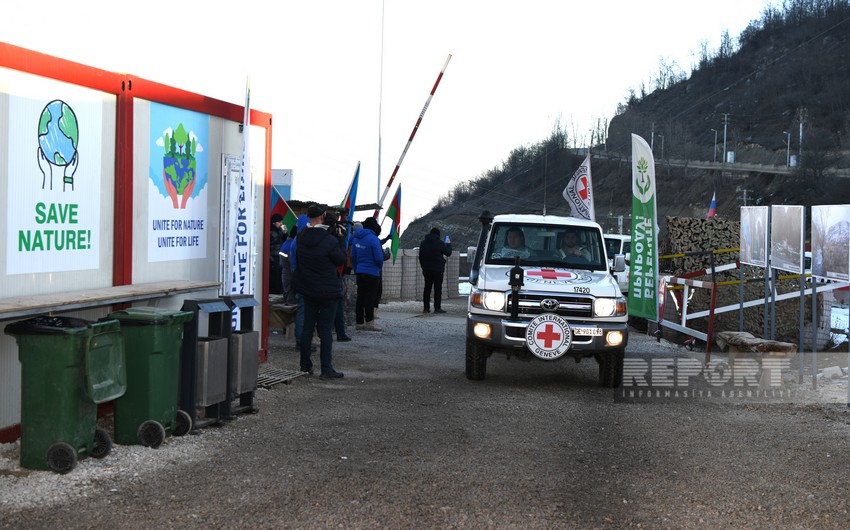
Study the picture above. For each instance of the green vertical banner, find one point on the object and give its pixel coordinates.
(643, 269)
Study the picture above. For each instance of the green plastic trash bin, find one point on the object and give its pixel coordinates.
(148, 410)
(68, 366)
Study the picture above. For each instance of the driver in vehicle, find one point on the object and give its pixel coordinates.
(570, 247)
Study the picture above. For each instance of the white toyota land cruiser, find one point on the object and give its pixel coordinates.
(542, 288)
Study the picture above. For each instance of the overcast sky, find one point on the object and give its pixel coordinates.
(327, 69)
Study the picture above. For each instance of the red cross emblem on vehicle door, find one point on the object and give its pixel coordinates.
(551, 274)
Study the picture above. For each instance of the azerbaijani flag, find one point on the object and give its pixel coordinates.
(279, 205)
(394, 213)
(712, 208)
(350, 200)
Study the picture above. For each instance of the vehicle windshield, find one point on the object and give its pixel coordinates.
(538, 245)
(615, 245)
(612, 246)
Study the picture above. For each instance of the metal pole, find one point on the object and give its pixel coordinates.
(788, 149)
(715, 144)
(725, 121)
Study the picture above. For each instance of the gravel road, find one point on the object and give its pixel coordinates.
(405, 441)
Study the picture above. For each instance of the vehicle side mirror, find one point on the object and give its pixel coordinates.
(619, 263)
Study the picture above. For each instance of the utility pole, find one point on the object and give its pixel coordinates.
(743, 195)
(545, 167)
(800, 148)
(787, 148)
(725, 122)
(652, 138)
(715, 144)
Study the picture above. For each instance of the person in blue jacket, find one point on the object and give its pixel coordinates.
(367, 258)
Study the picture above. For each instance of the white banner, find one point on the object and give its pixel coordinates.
(579, 192)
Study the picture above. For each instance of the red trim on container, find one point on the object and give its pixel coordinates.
(31, 62)
(10, 434)
(122, 246)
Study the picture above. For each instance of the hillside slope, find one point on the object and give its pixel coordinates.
(785, 77)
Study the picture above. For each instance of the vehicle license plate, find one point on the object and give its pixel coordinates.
(587, 332)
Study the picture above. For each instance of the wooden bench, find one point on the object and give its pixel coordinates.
(27, 306)
(741, 343)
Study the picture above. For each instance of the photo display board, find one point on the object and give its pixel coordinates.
(831, 242)
(754, 235)
(786, 238)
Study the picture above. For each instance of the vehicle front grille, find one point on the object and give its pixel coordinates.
(574, 305)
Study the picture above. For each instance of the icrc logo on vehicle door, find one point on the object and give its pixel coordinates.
(548, 336)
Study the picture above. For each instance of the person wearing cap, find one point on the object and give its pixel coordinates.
(277, 235)
(316, 278)
(367, 257)
(431, 252)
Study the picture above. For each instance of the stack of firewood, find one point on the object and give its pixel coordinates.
(700, 239)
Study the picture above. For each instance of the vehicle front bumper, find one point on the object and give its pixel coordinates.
(507, 334)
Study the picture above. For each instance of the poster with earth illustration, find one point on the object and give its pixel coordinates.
(54, 191)
(177, 184)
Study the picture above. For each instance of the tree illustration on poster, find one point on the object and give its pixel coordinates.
(177, 196)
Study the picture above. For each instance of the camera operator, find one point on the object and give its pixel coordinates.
(337, 228)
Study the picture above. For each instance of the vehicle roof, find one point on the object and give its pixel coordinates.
(622, 237)
(544, 219)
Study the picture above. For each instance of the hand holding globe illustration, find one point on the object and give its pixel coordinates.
(58, 138)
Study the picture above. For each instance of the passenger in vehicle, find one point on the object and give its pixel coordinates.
(514, 244)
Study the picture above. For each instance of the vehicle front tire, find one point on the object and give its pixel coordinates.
(610, 368)
(476, 360)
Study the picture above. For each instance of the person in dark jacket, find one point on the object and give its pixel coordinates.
(277, 236)
(431, 252)
(316, 278)
(289, 248)
(367, 258)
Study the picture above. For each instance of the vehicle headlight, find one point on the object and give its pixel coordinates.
(492, 300)
(609, 307)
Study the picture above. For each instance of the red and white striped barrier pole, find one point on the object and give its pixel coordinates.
(409, 140)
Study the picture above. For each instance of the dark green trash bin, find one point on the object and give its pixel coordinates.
(68, 366)
(148, 411)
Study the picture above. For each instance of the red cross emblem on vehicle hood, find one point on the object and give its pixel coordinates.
(550, 274)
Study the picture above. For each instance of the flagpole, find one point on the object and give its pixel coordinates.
(409, 140)
(380, 104)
